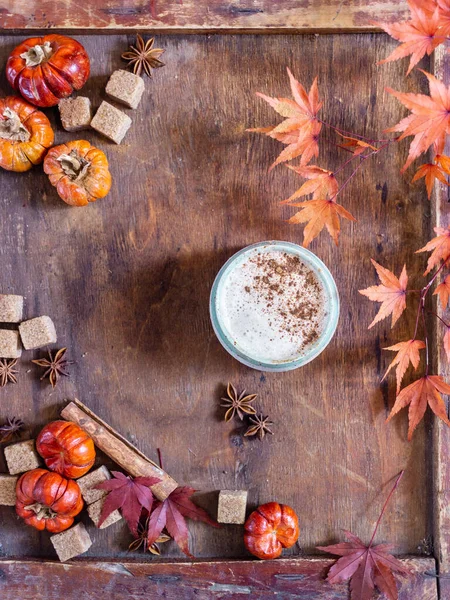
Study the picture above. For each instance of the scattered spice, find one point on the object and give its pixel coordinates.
(143, 57)
(141, 540)
(55, 366)
(7, 371)
(237, 404)
(261, 426)
(11, 429)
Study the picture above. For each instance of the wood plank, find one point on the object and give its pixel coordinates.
(441, 440)
(296, 579)
(202, 15)
(127, 282)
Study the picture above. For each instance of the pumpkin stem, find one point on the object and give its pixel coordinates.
(41, 511)
(11, 128)
(37, 54)
(74, 165)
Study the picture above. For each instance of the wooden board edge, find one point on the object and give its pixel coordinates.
(301, 578)
(441, 437)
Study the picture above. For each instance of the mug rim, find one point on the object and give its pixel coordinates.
(325, 277)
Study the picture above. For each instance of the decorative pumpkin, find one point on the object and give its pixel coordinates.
(66, 449)
(47, 501)
(269, 529)
(25, 134)
(79, 172)
(46, 69)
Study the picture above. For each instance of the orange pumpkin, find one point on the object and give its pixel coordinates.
(66, 448)
(46, 69)
(25, 134)
(47, 501)
(79, 172)
(269, 529)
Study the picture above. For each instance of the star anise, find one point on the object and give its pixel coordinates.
(141, 540)
(11, 429)
(7, 371)
(55, 365)
(261, 426)
(239, 404)
(143, 57)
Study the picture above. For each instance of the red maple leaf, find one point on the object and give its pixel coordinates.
(131, 495)
(439, 247)
(430, 118)
(407, 353)
(443, 291)
(172, 513)
(424, 392)
(368, 566)
(420, 35)
(300, 130)
(321, 183)
(391, 293)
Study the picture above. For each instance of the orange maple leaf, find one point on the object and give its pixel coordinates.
(439, 246)
(320, 214)
(407, 352)
(430, 118)
(443, 291)
(444, 14)
(354, 145)
(300, 130)
(447, 343)
(321, 183)
(425, 391)
(420, 35)
(431, 172)
(391, 293)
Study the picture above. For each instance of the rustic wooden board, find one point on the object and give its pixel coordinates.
(294, 579)
(202, 15)
(127, 283)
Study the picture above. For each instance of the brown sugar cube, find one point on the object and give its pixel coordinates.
(22, 457)
(95, 510)
(75, 113)
(8, 490)
(72, 542)
(37, 332)
(11, 308)
(111, 122)
(125, 87)
(9, 344)
(232, 506)
(88, 482)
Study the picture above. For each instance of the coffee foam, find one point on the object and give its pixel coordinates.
(272, 306)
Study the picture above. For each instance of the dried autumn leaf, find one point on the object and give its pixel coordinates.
(443, 291)
(391, 293)
(430, 118)
(431, 172)
(321, 183)
(300, 130)
(447, 343)
(354, 145)
(424, 392)
(366, 566)
(407, 353)
(420, 35)
(319, 214)
(128, 494)
(172, 513)
(439, 247)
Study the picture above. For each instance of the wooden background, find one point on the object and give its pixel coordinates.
(127, 281)
(201, 15)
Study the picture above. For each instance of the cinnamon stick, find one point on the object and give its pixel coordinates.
(127, 456)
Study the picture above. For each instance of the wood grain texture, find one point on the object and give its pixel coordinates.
(127, 283)
(441, 439)
(202, 15)
(282, 579)
(119, 449)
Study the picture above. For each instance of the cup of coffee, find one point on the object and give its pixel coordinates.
(274, 306)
